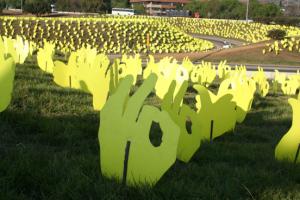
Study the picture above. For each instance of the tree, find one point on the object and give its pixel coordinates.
(2, 5)
(276, 34)
(139, 8)
(37, 7)
(13, 3)
(120, 3)
(232, 9)
(95, 6)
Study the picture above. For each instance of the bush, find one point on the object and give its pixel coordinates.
(37, 7)
(276, 34)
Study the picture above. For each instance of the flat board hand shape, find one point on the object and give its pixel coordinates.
(7, 74)
(289, 146)
(126, 152)
(186, 119)
(217, 113)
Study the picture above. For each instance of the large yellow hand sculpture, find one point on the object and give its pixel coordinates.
(7, 74)
(187, 64)
(86, 55)
(17, 48)
(97, 80)
(289, 146)
(242, 91)
(239, 72)
(22, 48)
(126, 152)
(224, 70)
(278, 80)
(166, 70)
(130, 66)
(186, 119)
(217, 113)
(64, 74)
(204, 74)
(44, 57)
(290, 87)
(92, 78)
(262, 83)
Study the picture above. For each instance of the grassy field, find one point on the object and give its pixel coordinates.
(49, 150)
(252, 54)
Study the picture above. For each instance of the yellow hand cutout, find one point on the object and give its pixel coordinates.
(242, 91)
(126, 152)
(7, 74)
(44, 57)
(186, 119)
(289, 146)
(217, 113)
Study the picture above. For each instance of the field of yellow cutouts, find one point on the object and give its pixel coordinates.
(108, 35)
(125, 149)
(127, 34)
(290, 44)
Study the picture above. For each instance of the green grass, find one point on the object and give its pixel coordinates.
(250, 60)
(49, 150)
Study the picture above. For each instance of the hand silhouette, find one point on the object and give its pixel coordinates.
(217, 113)
(126, 152)
(289, 146)
(186, 119)
(7, 74)
(242, 91)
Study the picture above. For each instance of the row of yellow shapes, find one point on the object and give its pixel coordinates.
(82, 72)
(290, 44)
(126, 152)
(289, 85)
(215, 115)
(106, 34)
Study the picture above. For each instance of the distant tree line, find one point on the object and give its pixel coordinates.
(39, 7)
(232, 9)
(96, 6)
(120, 4)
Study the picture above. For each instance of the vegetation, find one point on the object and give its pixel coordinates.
(120, 4)
(37, 7)
(232, 9)
(276, 34)
(282, 20)
(94, 6)
(14, 3)
(2, 5)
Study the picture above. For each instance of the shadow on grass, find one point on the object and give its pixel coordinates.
(49, 150)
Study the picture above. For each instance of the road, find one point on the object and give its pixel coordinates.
(219, 41)
(252, 68)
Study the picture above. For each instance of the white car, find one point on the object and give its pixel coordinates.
(226, 45)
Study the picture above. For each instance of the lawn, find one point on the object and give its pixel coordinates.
(49, 150)
(252, 54)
